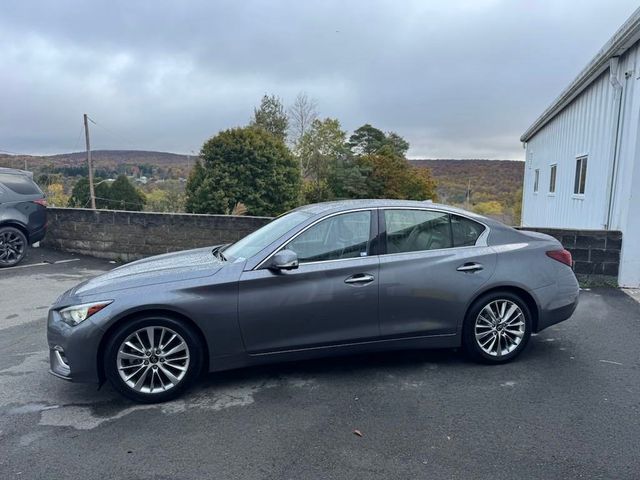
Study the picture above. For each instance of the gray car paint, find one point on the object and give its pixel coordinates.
(248, 314)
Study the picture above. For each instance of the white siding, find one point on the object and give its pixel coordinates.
(583, 128)
(586, 127)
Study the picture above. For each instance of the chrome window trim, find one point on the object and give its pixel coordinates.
(293, 237)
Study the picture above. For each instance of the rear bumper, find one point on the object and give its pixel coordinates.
(557, 315)
(37, 235)
(558, 301)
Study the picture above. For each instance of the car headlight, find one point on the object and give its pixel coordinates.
(75, 314)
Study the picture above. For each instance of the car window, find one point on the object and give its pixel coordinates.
(261, 238)
(465, 231)
(341, 236)
(19, 184)
(416, 230)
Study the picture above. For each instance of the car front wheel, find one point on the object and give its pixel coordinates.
(497, 328)
(153, 359)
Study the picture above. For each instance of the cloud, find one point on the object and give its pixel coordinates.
(462, 78)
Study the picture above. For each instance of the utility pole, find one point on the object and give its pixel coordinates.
(92, 193)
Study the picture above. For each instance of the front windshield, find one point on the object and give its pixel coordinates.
(261, 238)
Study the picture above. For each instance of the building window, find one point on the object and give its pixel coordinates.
(552, 179)
(536, 179)
(581, 176)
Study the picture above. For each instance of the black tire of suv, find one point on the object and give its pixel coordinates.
(23, 240)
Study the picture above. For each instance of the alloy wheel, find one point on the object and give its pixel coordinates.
(11, 247)
(500, 327)
(153, 360)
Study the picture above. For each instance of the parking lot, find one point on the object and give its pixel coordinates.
(568, 408)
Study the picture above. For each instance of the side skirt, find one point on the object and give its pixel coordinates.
(411, 343)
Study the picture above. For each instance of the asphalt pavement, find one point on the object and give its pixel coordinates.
(568, 408)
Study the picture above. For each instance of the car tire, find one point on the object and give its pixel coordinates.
(497, 328)
(171, 359)
(13, 246)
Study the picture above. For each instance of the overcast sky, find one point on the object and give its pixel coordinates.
(457, 78)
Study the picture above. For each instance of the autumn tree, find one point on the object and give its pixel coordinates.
(244, 165)
(56, 197)
(272, 117)
(391, 176)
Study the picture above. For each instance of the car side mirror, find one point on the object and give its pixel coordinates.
(284, 260)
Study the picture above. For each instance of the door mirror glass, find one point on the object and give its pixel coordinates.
(284, 260)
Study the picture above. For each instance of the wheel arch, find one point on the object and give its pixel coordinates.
(17, 225)
(166, 312)
(521, 292)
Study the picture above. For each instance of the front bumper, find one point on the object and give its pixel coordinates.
(73, 351)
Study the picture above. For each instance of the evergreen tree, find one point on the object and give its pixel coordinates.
(244, 165)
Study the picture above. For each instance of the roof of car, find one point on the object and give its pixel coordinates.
(340, 205)
(15, 171)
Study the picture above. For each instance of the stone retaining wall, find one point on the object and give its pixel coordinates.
(126, 236)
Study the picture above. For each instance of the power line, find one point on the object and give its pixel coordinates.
(126, 140)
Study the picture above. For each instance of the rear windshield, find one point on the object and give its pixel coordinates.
(19, 184)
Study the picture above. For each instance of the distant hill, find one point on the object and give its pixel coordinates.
(100, 158)
(490, 180)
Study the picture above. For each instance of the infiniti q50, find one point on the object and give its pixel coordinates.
(325, 279)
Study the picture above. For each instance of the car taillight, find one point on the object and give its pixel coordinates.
(562, 256)
(41, 201)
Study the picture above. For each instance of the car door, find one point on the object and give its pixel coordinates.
(331, 298)
(432, 264)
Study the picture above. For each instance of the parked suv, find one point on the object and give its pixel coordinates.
(23, 215)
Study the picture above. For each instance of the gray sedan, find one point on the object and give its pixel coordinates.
(326, 279)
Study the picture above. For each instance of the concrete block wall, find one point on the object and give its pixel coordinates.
(596, 253)
(127, 236)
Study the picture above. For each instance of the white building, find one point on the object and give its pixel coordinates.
(583, 153)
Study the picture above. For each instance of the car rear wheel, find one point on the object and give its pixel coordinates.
(153, 359)
(13, 246)
(497, 328)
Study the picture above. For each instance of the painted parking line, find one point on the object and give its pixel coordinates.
(41, 264)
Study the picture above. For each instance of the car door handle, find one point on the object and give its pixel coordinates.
(470, 267)
(360, 278)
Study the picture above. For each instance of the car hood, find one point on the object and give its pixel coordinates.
(169, 267)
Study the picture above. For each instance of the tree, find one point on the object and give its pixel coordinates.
(123, 195)
(120, 194)
(244, 165)
(271, 116)
(368, 139)
(330, 171)
(391, 176)
(56, 196)
(80, 194)
(301, 115)
(399, 144)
